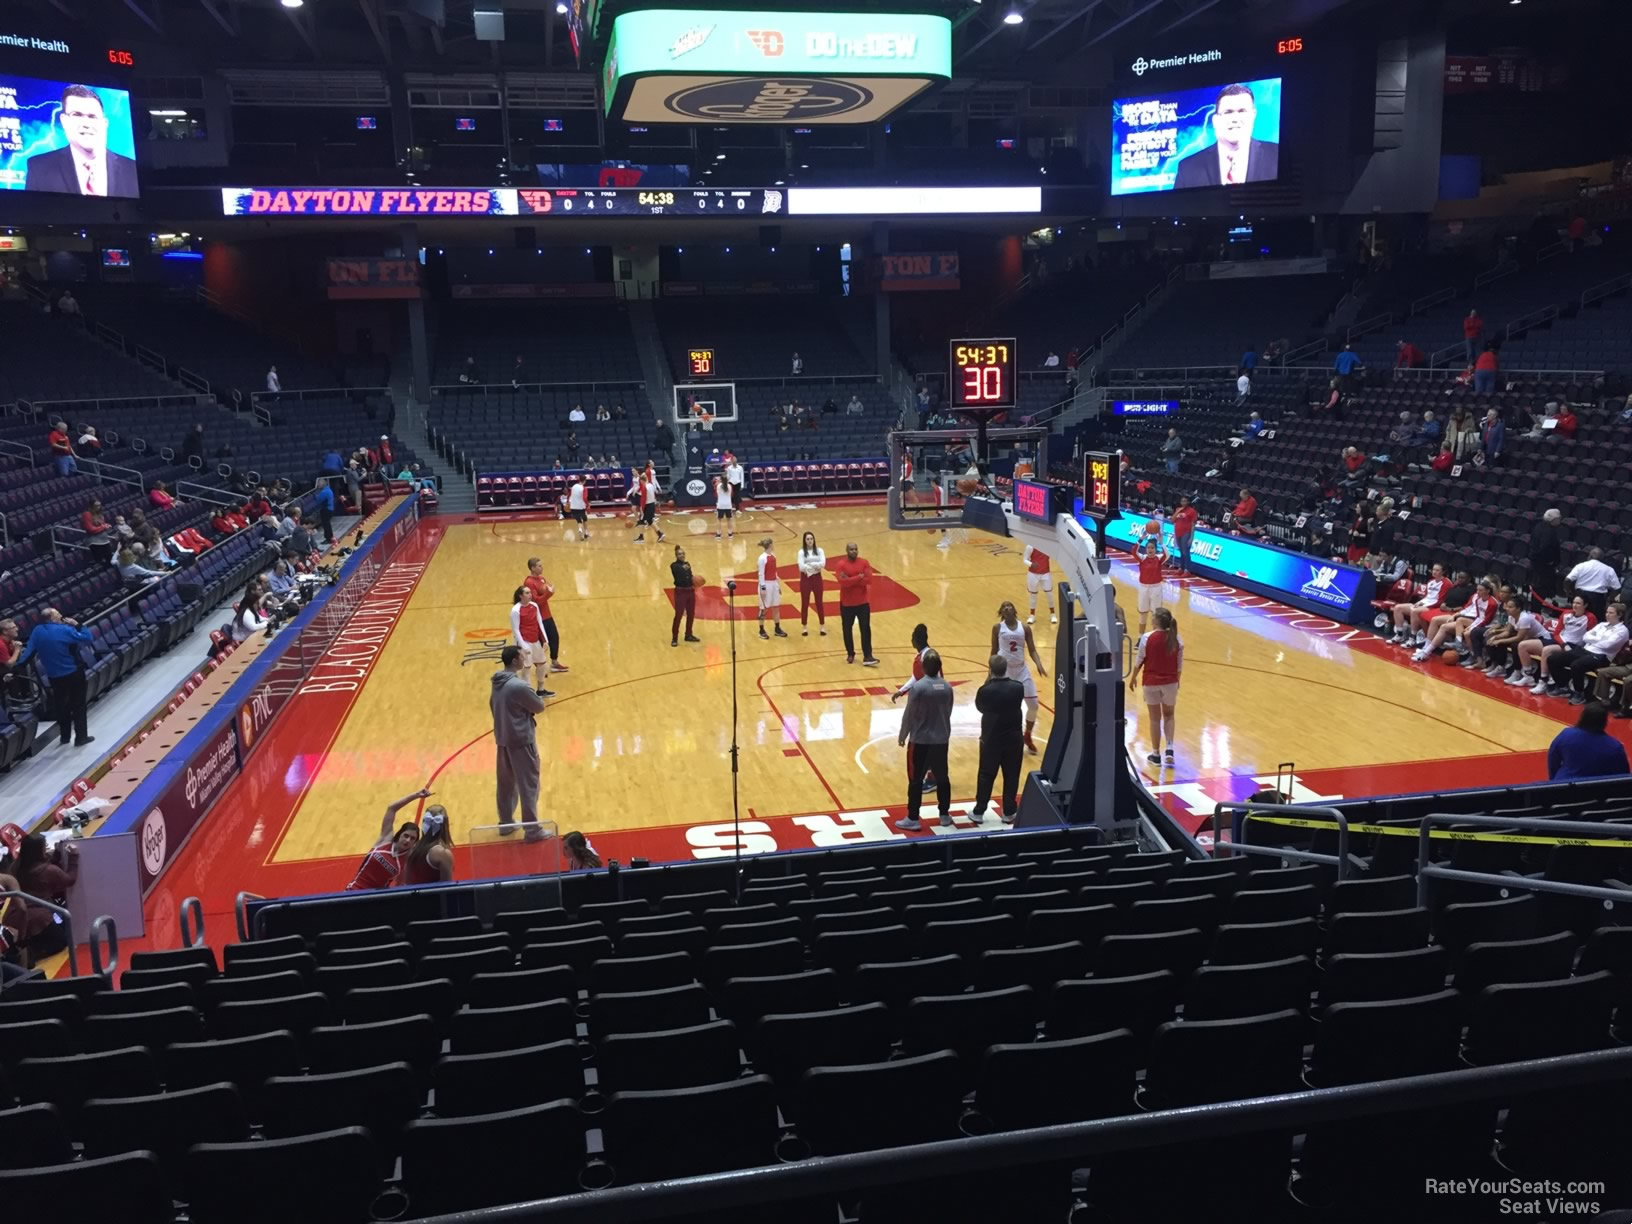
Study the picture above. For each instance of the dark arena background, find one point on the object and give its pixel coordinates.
(943, 611)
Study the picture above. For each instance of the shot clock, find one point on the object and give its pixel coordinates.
(1102, 485)
(983, 374)
(700, 361)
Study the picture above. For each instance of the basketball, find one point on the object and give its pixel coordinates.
(697, 580)
(967, 485)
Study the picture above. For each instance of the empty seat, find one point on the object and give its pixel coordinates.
(70, 1081)
(382, 1099)
(683, 1132)
(758, 932)
(1272, 904)
(435, 999)
(969, 937)
(153, 1029)
(515, 922)
(352, 1047)
(469, 1084)
(517, 986)
(485, 1030)
(423, 932)
(166, 1124)
(1458, 925)
(690, 940)
(295, 1013)
(270, 1181)
(245, 1062)
(671, 1058)
(622, 974)
(35, 1136)
(352, 937)
(169, 958)
(1357, 1042)
(575, 954)
(1224, 992)
(1086, 925)
(884, 1104)
(1400, 930)
(1044, 1083)
(1265, 1057)
(1361, 976)
(786, 1046)
(483, 1148)
(1256, 942)
(1102, 1004)
(236, 989)
(336, 980)
(148, 998)
(747, 999)
(1037, 967)
(968, 1023)
(36, 1039)
(647, 1010)
(129, 1188)
(1539, 1019)
(460, 967)
(844, 950)
(1516, 960)
(896, 983)
(260, 949)
(767, 959)
(1371, 894)
(1129, 955)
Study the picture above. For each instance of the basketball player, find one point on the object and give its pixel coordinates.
(1151, 552)
(733, 477)
(812, 561)
(723, 507)
(527, 626)
(1014, 642)
(1038, 578)
(770, 589)
(649, 493)
(920, 644)
(685, 596)
(1161, 658)
(578, 506)
(542, 590)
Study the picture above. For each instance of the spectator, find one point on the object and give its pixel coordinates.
(159, 497)
(798, 365)
(1444, 461)
(1484, 371)
(1347, 362)
(1354, 460)
(297, 541)
(257, 507)
(829, 408)
(1243, 388)
(1462, 433)
(1492, 437)
(1570, 667)
(576, 416)
(1173, 451)
(47, 873)
(580, 855)
(1052, 361)
(1254, 427)
(1546, 550)
(325, 510)
(1249, 360)
(1408, 356)
(62, 450)
(662, 437)
(192, 445)
(384, 864)
(1568, 422)
(1430, 433)
(572, 446)
(1071, 360)
(332, 464)
(57, 640)
(1586, 750)
(10, 644)
(1333, 403)
(470, 374)
(68, 304)
(1593, 580)
(132, 571)
(1387, 569)
(280, 581)
(1184, 530)
(1365, 515)
(1472, 328)
(274, 384)
(602, 412)
(14, 928)
(92, 519)
(518, 372)
(431, 859)
(619, 412)
(854, 407)
(88, 442)
(247, 620)
(1243, 515)
(1385, 531)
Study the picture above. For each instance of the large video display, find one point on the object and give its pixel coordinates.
(67, 138)
(1217, 135)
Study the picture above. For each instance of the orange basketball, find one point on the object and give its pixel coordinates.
(697, 580)
(967, 485)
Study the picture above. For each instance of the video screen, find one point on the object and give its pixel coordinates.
(115, 257)
(67, 138)
(1217, 135)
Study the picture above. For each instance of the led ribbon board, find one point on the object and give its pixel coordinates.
(718, 66)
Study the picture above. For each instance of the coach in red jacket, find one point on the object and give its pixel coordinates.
(853, 575)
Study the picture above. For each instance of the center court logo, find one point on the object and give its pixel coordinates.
(768, 100)
(153, 842)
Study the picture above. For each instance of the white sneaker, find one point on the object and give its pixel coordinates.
(1422, 639)
(1518, 678)
(1053, 620)
(1539, 688)
(945, 543)
(1031, 620)
(909, 826)
(1420, 656)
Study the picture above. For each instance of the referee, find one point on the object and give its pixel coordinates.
(999, 701)
(56, 640)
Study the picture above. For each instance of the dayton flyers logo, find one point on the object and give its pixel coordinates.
(770, 42)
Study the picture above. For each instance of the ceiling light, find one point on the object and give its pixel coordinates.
(1013, 17)
(293, 3)
(562, 9)
(719, 157)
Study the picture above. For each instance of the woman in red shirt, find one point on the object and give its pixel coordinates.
(1161, 659)
(542, 589)
(1567, 421)
(1184, 531)
(1484, 371)
(159, 497)
(1442, 462)
(384, 863)
(92, 519)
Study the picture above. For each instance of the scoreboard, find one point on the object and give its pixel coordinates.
(983, 374)
(1102, 485)
(700, 361)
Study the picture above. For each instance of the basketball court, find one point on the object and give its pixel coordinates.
(636, 742)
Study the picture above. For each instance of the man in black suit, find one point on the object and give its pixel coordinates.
(86, 166)
(1234, 157)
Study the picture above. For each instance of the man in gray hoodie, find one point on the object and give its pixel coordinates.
(927, 722)
(515, 705)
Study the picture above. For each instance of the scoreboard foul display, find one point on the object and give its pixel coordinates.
(1102, 485)
(983, 374)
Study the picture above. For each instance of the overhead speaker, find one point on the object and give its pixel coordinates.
(489, 25)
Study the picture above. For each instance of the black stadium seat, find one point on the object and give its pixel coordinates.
(684, 1132)
(882, 1104)
(670, 1058)
(483, 1148)
(270, 1181)
(129, 1188)
(468, 1084)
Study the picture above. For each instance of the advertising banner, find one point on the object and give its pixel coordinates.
(918, 272)
(1217, 135)
(1140, 408)
(355, 277)
(192, 787)
(719, 66)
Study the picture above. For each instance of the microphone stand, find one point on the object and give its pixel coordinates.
(736, 811)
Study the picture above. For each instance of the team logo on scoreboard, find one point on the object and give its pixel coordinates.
(690, 41)
(768, 99)
(771, 44)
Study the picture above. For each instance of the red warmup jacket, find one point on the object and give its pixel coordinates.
(852, 577)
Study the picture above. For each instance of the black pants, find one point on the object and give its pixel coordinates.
(1544, 578)
(994, 757)
(1476, 641)
(1571, 665)
(850, 616)
(922, 760)
(1597, 602)
(552, 635)
(68, 704)
(325, 520)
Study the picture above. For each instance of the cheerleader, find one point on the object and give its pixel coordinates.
(724, 508)
(431, 859)
(1014, 642)
(385, 861)
(770, 589)
(812, 562)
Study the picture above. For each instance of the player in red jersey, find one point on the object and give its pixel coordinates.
(527, 630)
(1151, 552)
(1161, 658)
(542, 590)
(1038, 578)
(384, 862)
(920, 644)
(646, 483)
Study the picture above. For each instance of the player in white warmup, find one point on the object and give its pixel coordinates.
(724, 508)
(578, 506)
(1014, 642)
(1038, 578)
(770, 589)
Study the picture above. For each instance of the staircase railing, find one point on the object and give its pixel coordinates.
(1605, 289)
(1430, 300)
(1314, 348)
(1517, 327)
(1365, 327)
(1491, 275)
(1554, 249)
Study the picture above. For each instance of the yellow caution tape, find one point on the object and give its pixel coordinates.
(1515, 839)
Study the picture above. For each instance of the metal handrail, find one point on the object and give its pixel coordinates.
(1292, 356)
(300, 393)
(1430, 300)
(150, 356)
(764, 1187)
(1554, 249)
(445, 388)
(1604, 289)
(5, 531)
(194, 491)
(1439, 355)
(1491, 275)
(197, 381)
(1426, 871)
(20, 449)
(118, 473)
(73, 406)
(240, 913)
(1366, 326)
(1342, 860)
(1517, 327)
(67, 922)
(104, 926)
(191, 938)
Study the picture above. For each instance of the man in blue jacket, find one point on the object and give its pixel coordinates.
(56, 640)
(325, 510)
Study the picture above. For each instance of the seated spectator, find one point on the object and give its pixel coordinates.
(92, 519)
(122, 530)
(1444, 460)
(1387, 569)
(48, 873)
(576, 416)
(1243, 516)
(247, 619)
(619, 412)
(829, 408)
(132, 571)
(257, 507)
(1408, 356)
(1485, 370)
(89, 443)
(559, 466)
(1430, 433)
(159, 497)
(62, 450)
(612, 461)
(580, 855)
(1586, 750)
(1332, 404)
(1568, 422)
(470, 374)
(68, 304)
(297, 541)
(226, 521)
(1255, 427)
(602, 412)
(854, 407)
